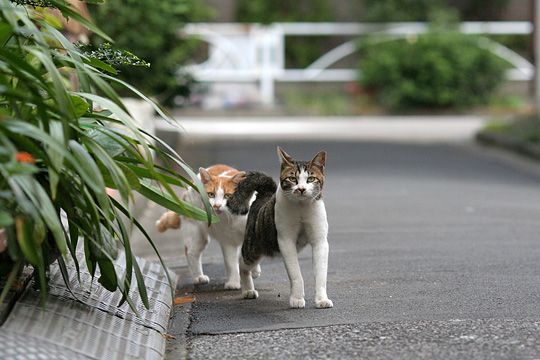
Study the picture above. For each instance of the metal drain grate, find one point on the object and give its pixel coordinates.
(97, 329)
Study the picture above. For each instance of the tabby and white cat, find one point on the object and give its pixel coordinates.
(283, 220)
(220, 182)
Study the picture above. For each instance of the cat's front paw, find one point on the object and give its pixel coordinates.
(297, 303)
(232, 285)
(201, 279)
(255, 273)
(324, 304)
(250, 294)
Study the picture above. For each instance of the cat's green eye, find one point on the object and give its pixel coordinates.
(211, 195)
(291, 179)
(311, 179)
(227, 196)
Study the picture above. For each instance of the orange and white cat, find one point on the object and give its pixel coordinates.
(219, 183)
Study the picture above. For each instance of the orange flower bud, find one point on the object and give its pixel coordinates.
(25, 157)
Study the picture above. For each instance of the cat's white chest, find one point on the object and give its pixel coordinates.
(302, 222)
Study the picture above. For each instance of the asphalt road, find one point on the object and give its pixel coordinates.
(434, 253)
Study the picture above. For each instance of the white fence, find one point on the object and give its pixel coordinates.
(256, 53)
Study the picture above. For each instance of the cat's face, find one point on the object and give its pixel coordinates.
(220, 183)
(302, 180)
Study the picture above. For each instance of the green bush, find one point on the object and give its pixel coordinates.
(149, 29)
(437, 69)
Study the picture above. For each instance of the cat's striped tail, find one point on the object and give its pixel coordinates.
(263, 184)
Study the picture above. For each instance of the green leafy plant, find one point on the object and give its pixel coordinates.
(61, 148)
(438, 69)
(156, 40)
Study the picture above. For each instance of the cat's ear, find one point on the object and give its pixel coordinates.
(205, 176)
(238, 177)
(319, 159)
(284, 158)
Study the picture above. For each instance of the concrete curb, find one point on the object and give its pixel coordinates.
(500, 140)
(407, 129)
(177, 343)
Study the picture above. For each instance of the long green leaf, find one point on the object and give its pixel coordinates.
(30, 249)
(56, 158)
(117, 175)
(5, 33)
(68, 12)
(122, 115)
(172, 155)
(144, 173)
(108, 276)
(60, 94)
(163, 199)
(126, 212)
(41, 201)
(11, 280)
(31, 131)
(156, 107)
(92, 174)
(140, 283)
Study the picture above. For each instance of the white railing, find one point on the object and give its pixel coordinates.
(256, 53)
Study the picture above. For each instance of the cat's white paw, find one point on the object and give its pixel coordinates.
(250, 294)
(201, 279)
(297, 303)
(324, 304)
(255, 273)
(232, 285)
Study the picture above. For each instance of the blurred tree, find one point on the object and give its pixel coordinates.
(300, 51)
(149, 29)
(483, 9)
(419, 10)
(263, 11)
(399, 10)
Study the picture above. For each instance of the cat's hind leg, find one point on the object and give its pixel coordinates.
(256, 272)
(196, 241)
(246, 279)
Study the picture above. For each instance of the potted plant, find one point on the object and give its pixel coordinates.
(61, 148)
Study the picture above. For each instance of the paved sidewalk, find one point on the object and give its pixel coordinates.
(434, 253)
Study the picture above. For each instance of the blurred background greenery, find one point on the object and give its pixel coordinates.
(149, 29)
(439, 71)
